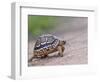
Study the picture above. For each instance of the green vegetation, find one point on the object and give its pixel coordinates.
(40, 24)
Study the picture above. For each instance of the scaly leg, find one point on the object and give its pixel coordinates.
(63, 48)
(60, 51)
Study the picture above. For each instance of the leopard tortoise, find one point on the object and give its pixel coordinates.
(47, 44)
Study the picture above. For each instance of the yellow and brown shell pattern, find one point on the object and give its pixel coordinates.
(45, 45)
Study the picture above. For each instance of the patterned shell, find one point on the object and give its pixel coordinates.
(46, 41)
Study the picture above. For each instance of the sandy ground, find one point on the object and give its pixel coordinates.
(76, 53)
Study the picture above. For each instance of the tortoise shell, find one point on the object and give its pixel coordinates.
(46, 41)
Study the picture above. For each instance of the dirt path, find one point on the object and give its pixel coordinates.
(76, 53)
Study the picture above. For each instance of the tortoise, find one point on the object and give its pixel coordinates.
(47, 44)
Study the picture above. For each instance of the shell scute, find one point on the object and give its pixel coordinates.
(45, 42)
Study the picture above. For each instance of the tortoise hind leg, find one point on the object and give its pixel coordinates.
(60, 50)
(30, 60)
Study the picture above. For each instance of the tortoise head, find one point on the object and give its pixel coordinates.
(63, 42)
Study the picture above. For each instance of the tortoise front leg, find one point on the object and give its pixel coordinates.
(63, 48)
(60, 51)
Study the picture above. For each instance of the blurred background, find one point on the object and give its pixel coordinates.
(72, 29)
(38, 25)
